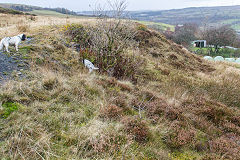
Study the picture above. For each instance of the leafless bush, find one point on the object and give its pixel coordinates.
(111, 112)
(137, 128)
(113, 32)
(106, 43)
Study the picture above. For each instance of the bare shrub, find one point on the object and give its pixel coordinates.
(180, 136)
(111, 112)
(212, 156)
(111, 36)
(106, 43)
(226, 146)
(33, 18)
(105, 143)
(219, 36)
(160, 107)
(121, 101)
(79, 34)
(137, 128)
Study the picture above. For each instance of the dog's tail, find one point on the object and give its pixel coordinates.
(95, 68)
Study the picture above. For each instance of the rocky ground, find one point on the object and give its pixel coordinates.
(14, 64)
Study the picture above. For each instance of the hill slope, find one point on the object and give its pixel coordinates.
(174, 106)
(10, 11)
(29, 8)
(214, 15)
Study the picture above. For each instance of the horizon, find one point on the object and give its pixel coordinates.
(87, 6)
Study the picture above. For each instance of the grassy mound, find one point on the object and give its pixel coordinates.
(176, 106)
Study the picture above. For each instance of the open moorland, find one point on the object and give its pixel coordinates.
(200, 15)
(150, 98)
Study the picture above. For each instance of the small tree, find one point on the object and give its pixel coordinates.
(219, 36)
(112, 34)
(237, 42)
(106, 42)
(185, 34)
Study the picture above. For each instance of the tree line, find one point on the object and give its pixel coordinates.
(216, 36)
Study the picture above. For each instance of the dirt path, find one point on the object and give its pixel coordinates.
(14, 64)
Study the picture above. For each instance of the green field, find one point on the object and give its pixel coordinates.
(53, 13)
(158, 25)
(224, 52)
(198, 15)
(48, 13)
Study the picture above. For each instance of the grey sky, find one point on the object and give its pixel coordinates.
(80, 5)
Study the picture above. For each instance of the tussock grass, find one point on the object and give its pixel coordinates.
(178, 106)
(10, 24)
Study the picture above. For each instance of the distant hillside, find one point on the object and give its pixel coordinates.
(150, 24)
(157, 25)
(28, 8)
(47, 13)
(213, 15)
(10, 11)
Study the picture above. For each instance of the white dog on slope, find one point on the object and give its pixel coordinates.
(12, 41)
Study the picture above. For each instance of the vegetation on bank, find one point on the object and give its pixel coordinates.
(151, 99)
(177, 106)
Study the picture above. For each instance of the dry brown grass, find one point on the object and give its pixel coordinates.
(22, 28)
(15, 24)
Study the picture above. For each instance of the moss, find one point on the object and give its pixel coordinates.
(26, 57)
(25, 50)
(183, 156)
(8, 108)
(21, 65)
(115, 89)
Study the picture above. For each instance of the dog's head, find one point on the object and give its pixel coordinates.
(23, 37)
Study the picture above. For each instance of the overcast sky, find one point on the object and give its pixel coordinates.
(82, 5)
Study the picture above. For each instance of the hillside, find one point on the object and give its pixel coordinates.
(159, 101)
(199, 15)
(47, 13)
(10, 11)
(36, 9)
(154, 25)
(157, 25)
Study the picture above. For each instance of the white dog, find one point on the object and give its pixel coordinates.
(12, 41)
(89, 65)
